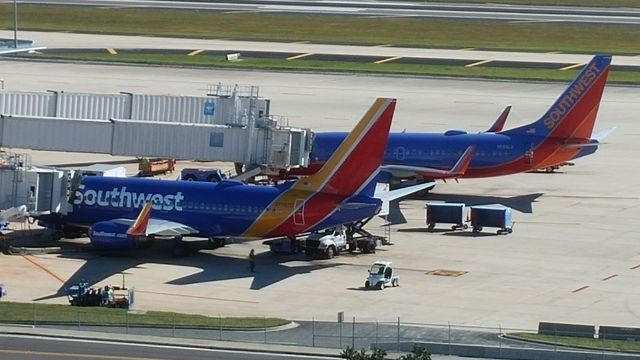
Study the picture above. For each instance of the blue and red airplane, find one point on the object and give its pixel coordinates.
(563, 133)
(125, 213)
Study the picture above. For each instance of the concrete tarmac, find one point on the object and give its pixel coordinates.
(573, 256)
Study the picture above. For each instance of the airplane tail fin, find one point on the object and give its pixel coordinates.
(355, 163)
(139, 227)
(573, 114)
(500, 121)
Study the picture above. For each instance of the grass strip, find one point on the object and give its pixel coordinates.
(617, 345)
(30, 313)
(493, 72)
(414, 32)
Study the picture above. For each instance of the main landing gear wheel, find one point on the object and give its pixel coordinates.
(180, 249)
(215, 243)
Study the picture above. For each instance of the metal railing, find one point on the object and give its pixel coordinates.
(393, 335)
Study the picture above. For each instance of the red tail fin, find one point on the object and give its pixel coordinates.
(500, 121)
(573, 114)
(357, 160)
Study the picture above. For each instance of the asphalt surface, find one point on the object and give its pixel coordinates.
(37, 348)
(386, 9)
(39, 343)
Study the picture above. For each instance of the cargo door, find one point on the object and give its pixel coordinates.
(528, 153)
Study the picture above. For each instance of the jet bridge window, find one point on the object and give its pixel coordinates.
(216, 139)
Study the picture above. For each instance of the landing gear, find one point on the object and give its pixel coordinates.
(180, 248)
(215, 243)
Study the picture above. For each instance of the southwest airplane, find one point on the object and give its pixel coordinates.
(563, 133)
(125, 213)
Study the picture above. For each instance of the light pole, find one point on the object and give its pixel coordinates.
(15, 24)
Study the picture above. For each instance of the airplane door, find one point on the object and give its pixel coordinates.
(528, 153)
(298, 216)
(400, 152)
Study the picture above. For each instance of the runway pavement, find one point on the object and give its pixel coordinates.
(574, 230)
(573, 14)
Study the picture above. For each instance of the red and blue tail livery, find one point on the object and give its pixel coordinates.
(562, 134)
(123, 213)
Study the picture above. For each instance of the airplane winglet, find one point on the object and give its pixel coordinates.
(463, 163)
(139, 227)
(500, 121)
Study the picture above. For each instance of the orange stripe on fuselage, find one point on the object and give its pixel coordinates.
(284, 206)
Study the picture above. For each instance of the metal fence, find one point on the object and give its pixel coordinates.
(396, 335)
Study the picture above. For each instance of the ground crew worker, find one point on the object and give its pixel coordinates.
(252, 261)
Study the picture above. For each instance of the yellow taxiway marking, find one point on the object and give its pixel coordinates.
(468, 49)
(301, 42)
(572, 66)
(554, 52)
(299, 56)
(58, 277)
(478, 63)
(387, 60)
(196, 297)
(195, 52)
(383, 45)
(112, 51)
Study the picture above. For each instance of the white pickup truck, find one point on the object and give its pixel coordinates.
(332, 241)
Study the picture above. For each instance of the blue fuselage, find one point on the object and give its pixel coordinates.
(227, 208)
(495, 153)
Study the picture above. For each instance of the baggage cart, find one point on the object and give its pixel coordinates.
(446, 213)
(491, 216)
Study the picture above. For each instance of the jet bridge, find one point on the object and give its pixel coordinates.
(231, 123)
(40, 190)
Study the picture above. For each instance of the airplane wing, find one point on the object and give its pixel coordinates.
(161, 227)
(500, 121)
(391, 207)
(4, 51)
(144, 225)
(390, 195)
(432, 173)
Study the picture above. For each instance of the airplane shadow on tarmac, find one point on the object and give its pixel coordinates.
(521, 203)
(270, 268)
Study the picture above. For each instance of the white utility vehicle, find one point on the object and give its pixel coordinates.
(381, 274)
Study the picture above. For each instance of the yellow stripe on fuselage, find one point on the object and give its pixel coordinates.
(284, 205)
